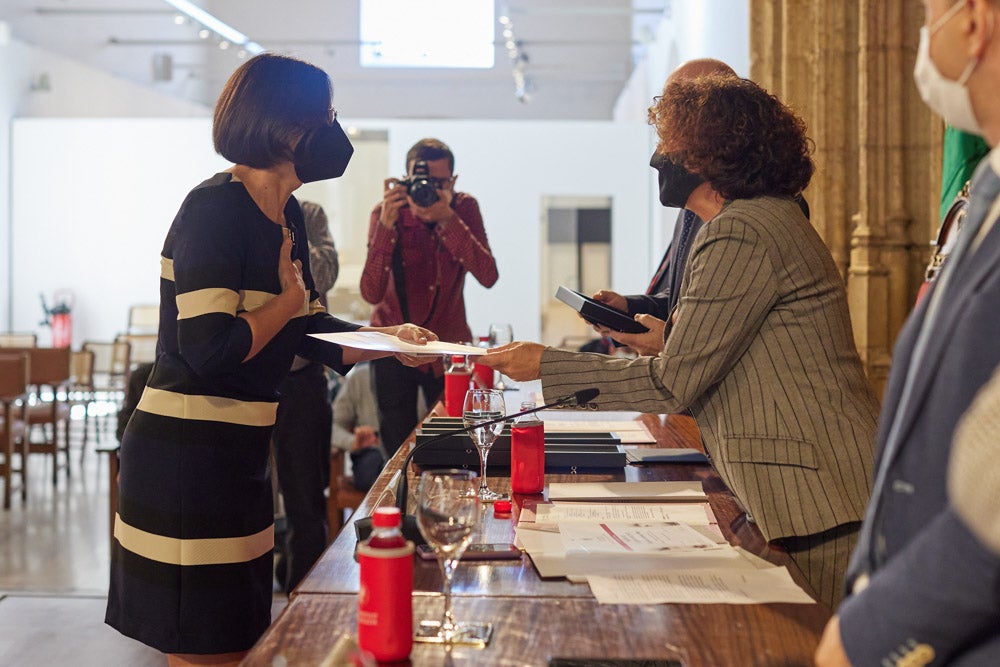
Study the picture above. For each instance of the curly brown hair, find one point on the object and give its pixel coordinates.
(735, 135)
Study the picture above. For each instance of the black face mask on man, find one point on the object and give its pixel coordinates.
(322, 153)
(676, 182)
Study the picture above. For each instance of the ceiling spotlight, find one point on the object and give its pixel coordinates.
(210, 24)
(518, 59)
(180, 19)
(223, 45)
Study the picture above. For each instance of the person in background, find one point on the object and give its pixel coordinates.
(355, 426)
(664, 289)
(418, 257)
(924, 589)
(192, 556)
(301, 437)
(761, 351)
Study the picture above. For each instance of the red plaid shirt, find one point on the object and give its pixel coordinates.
(436, 258)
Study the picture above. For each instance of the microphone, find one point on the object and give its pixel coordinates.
(363, 527)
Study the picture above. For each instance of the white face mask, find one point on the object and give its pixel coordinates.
(948, 98)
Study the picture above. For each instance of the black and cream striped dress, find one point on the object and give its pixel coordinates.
(191, 564)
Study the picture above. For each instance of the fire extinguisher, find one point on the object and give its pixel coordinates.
(60, 318)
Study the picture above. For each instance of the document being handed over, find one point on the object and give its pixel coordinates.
(376, 340)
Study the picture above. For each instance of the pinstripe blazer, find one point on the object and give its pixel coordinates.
(763, 356)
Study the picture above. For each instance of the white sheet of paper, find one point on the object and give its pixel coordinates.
(629, 432)
(715, 586)
(544, 546)
(633, 537)
(644, 491)
(689, 513)
(376, 340)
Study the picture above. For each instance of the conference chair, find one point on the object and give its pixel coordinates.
(13, 400)
(341, 494)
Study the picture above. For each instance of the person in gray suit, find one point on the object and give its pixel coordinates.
(925, 590)
(761, 350)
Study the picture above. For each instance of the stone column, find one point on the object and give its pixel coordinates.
(846, 67)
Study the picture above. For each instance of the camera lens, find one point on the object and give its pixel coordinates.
(422, 192)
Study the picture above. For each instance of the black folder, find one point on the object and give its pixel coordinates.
(596, 312)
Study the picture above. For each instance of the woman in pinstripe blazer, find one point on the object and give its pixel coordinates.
(761, 350)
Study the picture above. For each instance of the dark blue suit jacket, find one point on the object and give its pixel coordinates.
(934, 585)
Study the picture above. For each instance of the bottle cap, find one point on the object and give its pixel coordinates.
(386, 517)
(501, 507)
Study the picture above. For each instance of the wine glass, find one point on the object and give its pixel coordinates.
(448, 514)
(482, 405)
(501, 333)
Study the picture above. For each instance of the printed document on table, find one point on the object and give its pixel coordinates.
(634, 491)
(545, 548)
(715, 586)
(631, 538)
(697, 514)
(376, 340)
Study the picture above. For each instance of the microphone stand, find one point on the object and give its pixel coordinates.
(363, 527)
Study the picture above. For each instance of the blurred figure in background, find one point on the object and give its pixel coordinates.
(355, 426)
(301, 437)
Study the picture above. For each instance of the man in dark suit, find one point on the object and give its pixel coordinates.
(924, 589)
(664, 289)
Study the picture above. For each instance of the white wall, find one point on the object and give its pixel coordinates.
(71, 90)
(93, 199)
(704, 29)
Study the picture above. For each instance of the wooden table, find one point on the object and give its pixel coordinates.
(535, 619)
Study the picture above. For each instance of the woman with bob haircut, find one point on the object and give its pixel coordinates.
(192, 570)
(760, 350)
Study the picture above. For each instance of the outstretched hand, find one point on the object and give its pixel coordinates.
(411, 333)
(519, 360)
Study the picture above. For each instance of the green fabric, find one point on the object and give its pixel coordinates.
(962, 152)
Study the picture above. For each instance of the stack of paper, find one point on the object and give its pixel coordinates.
(646, 552)
(623, 424)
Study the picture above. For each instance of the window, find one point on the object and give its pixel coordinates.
(442, 33)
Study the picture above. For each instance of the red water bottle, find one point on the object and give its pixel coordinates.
(527, 453)
(457, 379)
(482, 375)
(385, 597)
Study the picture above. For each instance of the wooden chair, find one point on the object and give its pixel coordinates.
(46, 413)
(341, 494)
(143, 319)
(18, 340)
(112, 366)
(142, 347)
(14, 370)
(80, 389)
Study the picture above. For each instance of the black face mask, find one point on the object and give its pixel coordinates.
(322, 153)
(676, 182)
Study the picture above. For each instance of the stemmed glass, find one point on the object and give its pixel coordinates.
(482, 405)
(501, 333)
(448, 514)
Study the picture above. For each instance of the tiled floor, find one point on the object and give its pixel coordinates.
(54, 569)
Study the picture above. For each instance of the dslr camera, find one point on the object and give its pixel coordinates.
(421, 187)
